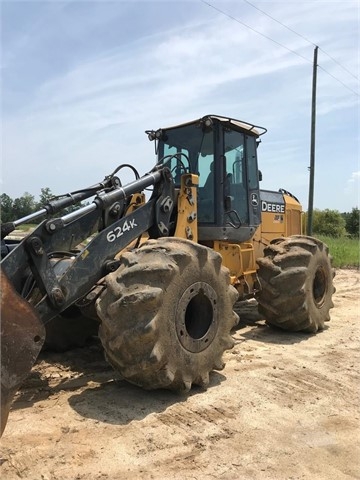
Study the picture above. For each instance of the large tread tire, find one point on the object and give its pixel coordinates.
(167, 315)
(296, 280)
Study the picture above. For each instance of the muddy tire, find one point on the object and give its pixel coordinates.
(296, 280)
(167, 315)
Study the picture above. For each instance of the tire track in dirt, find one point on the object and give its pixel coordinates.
(286, 406)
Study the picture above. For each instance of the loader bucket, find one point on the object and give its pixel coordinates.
(22, 336)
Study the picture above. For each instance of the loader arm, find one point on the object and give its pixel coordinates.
(22, 326)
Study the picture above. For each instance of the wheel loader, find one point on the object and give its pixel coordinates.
(159, 263)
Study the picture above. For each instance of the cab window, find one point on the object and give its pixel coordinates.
(236, 173)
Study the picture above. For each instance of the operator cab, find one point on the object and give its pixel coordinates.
(222, 152)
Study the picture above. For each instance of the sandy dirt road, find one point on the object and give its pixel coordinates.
(286, 406)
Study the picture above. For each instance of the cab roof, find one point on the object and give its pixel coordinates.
(245, 126)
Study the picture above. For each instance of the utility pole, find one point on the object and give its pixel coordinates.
(312, 146)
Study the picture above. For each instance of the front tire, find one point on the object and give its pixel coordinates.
(296, 280)
(167, 314)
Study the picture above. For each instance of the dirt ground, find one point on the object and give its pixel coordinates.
(286, 406)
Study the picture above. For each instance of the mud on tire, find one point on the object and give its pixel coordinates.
(167, 315)
(296, 280)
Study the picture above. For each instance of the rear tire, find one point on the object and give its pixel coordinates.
(296, 284)
(167, 315)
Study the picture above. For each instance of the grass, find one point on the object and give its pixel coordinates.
(345, 251)
(26, 227)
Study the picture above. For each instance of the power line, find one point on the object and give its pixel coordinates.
(280, 23)
(342, 66)
(280, 44)
(335, 78)
(256, 31)
(301, 36)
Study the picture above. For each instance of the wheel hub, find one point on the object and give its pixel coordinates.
(319, 287)
(197, 317)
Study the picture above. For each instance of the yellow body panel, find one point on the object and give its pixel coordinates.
(241, 262)
(186, 226)
(278, 224)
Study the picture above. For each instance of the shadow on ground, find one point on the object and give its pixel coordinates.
(119, 403)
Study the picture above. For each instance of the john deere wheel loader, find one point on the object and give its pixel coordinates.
(161, 275)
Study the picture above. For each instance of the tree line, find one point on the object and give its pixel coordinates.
(325, 222)
(13, 209)
(332, 223)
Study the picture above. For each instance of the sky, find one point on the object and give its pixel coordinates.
(82, 80)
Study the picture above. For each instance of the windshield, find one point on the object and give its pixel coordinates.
(187, 149)
(190, 149)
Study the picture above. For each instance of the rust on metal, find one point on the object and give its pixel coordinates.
(22, 336)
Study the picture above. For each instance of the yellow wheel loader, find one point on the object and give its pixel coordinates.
(159, 274)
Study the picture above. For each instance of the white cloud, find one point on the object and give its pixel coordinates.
(92, 114)
(355, 177)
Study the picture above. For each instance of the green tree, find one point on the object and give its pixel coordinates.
(352, 222)
(328, 222)
(23, 206)
(6, 208)
(45, 195)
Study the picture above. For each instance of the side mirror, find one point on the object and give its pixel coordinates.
(260, 175)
